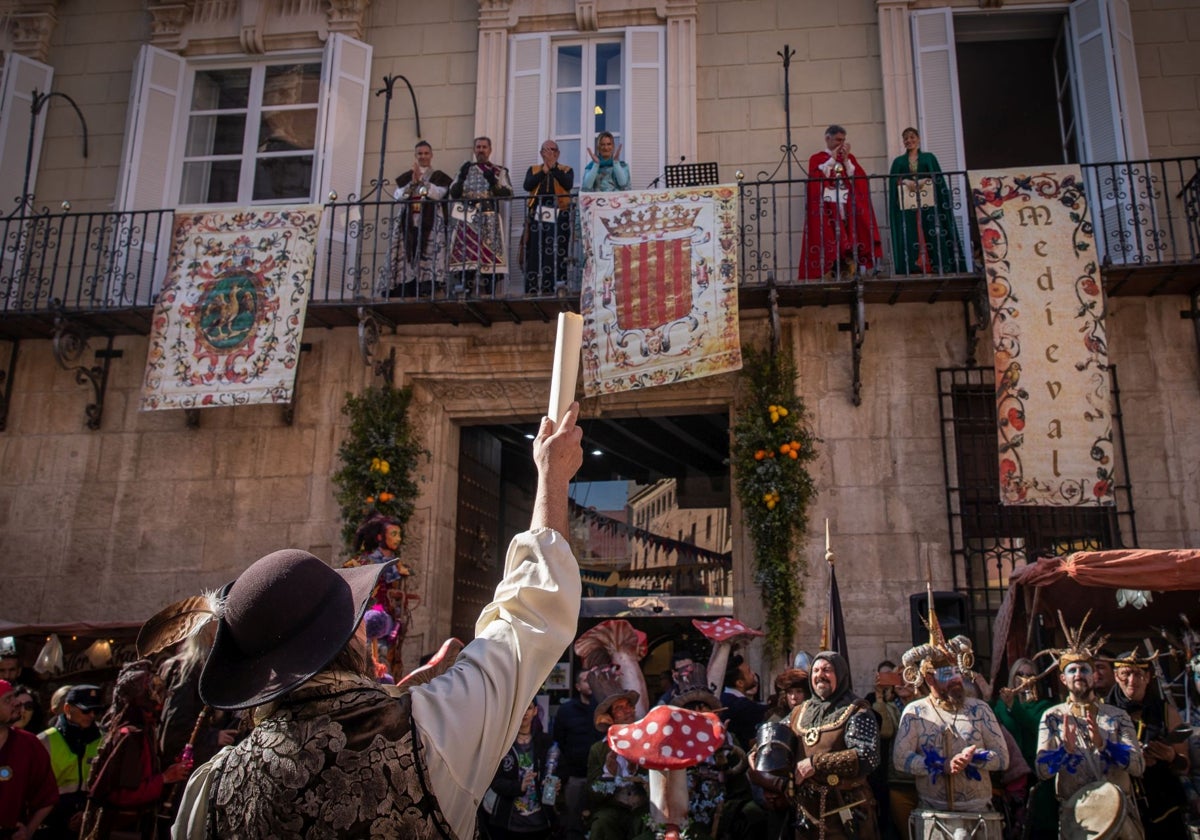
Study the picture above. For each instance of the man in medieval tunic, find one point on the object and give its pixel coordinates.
(1084, 740)
(477, 245)
(837, 748)
(840, 231)
(420, 225)
(336, 754)
(949, 742)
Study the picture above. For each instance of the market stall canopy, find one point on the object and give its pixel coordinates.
(1089, 580)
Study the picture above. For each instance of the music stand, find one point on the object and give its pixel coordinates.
(692, 175)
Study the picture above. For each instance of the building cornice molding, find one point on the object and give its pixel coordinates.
(30, 25)
(253, 27)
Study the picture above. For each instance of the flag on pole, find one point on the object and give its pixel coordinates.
(833, 632)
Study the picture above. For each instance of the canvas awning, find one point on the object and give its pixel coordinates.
(1088, 580)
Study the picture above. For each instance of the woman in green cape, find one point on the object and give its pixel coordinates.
(921, 213)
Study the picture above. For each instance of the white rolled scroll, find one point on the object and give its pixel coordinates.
(567, 346)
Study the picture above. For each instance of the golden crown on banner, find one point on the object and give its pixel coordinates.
(653, 221)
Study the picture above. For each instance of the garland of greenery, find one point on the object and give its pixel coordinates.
(379, 456)
(772, 446)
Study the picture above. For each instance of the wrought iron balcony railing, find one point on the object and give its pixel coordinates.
(1146, 215)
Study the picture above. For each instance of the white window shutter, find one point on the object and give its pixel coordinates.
(1112, 130)
(645, 130)
(136, 262)
(343, 123)
(22, 76)
(1128, 88)
(1095, 83)
(148, 172)
(528, 125)
(935, 66)
(343, 117)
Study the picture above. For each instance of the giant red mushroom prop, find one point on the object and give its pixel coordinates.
(723, 633)
(667, 742)
(616, 642)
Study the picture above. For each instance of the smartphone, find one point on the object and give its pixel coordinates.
(1177, 735)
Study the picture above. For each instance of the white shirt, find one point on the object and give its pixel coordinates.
(469, 716)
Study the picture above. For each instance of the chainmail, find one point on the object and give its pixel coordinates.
(862, 736)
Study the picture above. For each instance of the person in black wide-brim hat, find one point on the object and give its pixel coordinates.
(334, 753)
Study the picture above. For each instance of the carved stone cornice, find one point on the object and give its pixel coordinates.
(585, 15)
(30, 25)
(348, 17)
(253, 27)
(167, 19)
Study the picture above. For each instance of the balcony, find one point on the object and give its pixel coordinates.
(103, 269)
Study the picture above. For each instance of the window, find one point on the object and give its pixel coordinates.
(251, 134)
(283, 129)
(587, 97)
(572, 89)
(989, 540)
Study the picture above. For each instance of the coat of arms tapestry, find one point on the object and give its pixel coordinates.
(660, 285)
(228, 323)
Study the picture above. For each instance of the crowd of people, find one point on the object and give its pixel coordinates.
(453, 226)
(273, 718)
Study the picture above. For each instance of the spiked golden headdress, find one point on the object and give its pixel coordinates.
(923, 659)
(1079, 647)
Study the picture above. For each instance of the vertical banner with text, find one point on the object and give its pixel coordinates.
(1048, 334)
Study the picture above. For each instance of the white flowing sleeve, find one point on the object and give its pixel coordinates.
(469, 716)
(191, 820)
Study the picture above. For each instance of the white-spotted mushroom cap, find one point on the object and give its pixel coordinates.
(725, 629)
(596, 646)
(668, 738)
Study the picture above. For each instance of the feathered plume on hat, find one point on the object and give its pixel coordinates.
(1079, 647)
(937, 652)
(177, 622)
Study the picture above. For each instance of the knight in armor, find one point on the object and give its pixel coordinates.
(837, 747)
(947, 741)
(1085, 742)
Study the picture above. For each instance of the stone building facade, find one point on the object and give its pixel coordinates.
(110, 524)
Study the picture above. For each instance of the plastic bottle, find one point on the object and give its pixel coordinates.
(551, 782)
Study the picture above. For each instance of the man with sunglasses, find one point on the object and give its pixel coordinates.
(73, 740)
(948, 741)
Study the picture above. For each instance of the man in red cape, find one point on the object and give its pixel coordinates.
(840, 233)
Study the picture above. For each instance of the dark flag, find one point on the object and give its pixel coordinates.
(833, 632)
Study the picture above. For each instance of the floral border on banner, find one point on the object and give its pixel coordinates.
(1054, 416)
(659, 297)
(227, 326)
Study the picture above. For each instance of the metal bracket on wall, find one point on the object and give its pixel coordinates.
(69, 344)
(370, 324)
(1192, 314)
(289, 410)
(977, 314)
(857, 327)
(6, 381)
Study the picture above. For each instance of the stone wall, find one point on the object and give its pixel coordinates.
(1167, 38)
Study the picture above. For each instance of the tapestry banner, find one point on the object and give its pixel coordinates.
(660, 287)
(1048, 334)
(228, 323)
